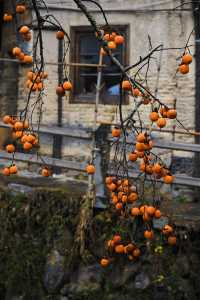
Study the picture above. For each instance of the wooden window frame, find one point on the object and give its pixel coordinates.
(74, 57)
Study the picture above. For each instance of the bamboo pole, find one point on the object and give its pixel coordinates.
(91, 179)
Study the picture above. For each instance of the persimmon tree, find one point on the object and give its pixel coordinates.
(132, 141)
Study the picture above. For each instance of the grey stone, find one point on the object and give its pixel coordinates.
(161, 293)
(77, 290)
(64, 290)
(142, 281)
(90, 273)
(54, 272)
(115, 276)
(183, 265)
(120, 276)
(16, 188)
(86, 280)
(129, 271)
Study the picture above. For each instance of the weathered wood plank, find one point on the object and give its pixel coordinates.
(83, 134)
(153, 129)
(33, 158)
(179, 179)
(164, 144)
(177, 146)
(72, 165)
(63, 131)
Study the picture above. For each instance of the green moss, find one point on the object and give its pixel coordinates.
(30, 227)
(87, 291)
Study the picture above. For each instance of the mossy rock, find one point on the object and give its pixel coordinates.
(81, 291)
(31, 226)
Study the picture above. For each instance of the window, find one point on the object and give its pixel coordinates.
(85, 49)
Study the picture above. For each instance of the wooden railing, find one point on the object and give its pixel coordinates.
(87, 135)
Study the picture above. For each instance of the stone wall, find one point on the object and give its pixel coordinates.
(42, 234)
(8, 72)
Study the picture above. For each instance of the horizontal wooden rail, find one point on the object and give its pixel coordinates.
(77, 166)
(87, 134)
(63, 131)
(83, 134)
(179, 179)
(164, 144)
(190, 131)
(177, 146)
(54, 162)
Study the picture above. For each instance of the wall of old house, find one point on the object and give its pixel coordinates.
(8, 72)
(145, 17)
(11, 73)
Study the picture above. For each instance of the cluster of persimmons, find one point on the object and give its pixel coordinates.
(185, 62)
(24, 32)
(126, 201)
(17, 52)
(113, 40)
(62, 88)
(124, 196)
(35, 80)
(20, 9)
(22, 134)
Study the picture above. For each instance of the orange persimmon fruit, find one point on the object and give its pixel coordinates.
(6, 171)
(104, 262)
(60, 35)
(90, 169)
(184, 69)
(10, 148)
(148, 234)
(186, 59)
(13, 169)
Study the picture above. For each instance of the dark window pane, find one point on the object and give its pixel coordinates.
(88, 43)
(87, 51)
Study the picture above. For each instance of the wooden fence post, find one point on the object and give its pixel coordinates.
(102, 161)
(196, 13)
(57, 139)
